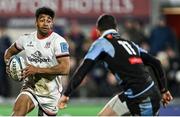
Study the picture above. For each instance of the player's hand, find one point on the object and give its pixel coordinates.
(166, 98)
(7, 68)
(63, 102)
(29, 71)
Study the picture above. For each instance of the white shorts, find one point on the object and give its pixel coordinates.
(48, 104)
(119, 107)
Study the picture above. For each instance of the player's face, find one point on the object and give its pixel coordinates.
(44, 24)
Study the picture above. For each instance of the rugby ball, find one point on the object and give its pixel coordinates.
(16, 64)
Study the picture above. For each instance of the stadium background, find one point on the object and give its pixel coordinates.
(79, 17)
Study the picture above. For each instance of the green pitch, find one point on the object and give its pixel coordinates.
(72, 109)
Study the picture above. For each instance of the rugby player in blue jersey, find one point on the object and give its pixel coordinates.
(127, 62)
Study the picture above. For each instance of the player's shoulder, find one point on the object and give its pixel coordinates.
(58, 37)
(101, 41)
(27, 35)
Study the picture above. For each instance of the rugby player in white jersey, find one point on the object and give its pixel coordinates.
(47, 55)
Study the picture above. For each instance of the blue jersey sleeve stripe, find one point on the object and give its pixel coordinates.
(94, 51)
(101, 45)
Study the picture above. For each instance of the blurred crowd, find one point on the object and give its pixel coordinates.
(5, 42)
(159, 40)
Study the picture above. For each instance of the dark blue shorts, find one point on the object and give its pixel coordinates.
(147, 105)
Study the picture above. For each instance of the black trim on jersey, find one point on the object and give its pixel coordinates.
(79, 75)
(15, 45)
(155, 64)
(59, 56)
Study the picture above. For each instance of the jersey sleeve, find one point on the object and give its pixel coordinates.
(158, 70)
(61, 47)
(156, 66)
(19, 43)
(79, 75)
(94, 51)
(99, 47)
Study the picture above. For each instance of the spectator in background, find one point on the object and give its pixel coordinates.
(77, 37)
(99, 74)
(161, 37)
(134, 31)
(59, 30)
(5, 42)
(171, 63)
(143, 40)
(163, 45)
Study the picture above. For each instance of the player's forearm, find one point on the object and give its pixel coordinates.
(7, 55)
(158, 70)
(162, 81)
(10, 52)
(62, 69)
(78, 76)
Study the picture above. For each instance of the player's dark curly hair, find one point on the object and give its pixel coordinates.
(44, 10)
(106, 22)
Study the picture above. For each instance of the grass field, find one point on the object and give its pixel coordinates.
(73, 109)
(90, 107)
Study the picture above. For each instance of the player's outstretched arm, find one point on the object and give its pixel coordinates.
(79, 75)
(160, 76)
(75, 81)
(155, 64)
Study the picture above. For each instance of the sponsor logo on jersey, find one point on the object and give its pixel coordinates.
(64, 47)
(135, 60)
(30, 44)
(38, 58)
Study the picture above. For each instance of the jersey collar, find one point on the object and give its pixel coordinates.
(108, 31)
(43, 37)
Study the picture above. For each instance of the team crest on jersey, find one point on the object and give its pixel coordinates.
(47, 45)
(64, 47)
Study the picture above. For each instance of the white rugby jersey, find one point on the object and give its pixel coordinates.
(43, 53)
